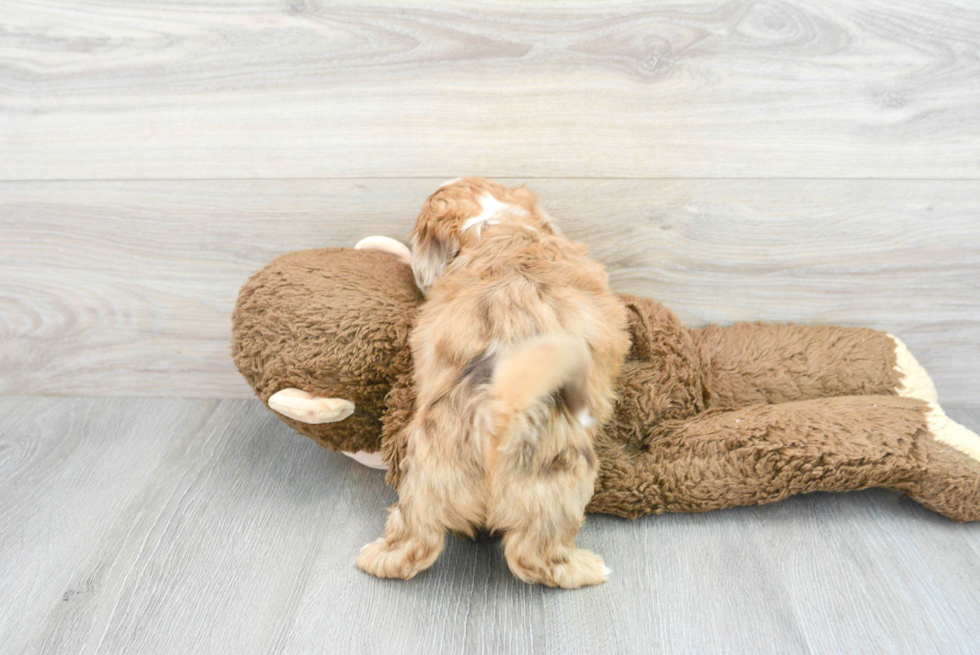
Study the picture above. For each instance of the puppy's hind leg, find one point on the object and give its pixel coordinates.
(414, 533)
(541, 511)
(542, 549)
(411, 542)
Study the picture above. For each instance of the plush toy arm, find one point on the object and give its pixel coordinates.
(751, 363)
(316, 410)
(764, 453)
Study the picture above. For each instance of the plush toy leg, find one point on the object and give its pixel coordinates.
(764, 453)
(950, 484)
(752, 363)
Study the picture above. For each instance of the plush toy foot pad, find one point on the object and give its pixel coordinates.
(947, 431)
(915, 382)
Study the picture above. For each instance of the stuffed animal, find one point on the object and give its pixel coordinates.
(706, 418)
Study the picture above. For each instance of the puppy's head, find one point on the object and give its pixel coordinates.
(459, 213)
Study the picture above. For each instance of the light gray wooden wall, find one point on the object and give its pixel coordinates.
(792, 161)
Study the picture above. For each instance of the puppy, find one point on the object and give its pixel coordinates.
(516, 350)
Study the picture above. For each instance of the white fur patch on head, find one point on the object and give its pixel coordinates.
(947, 431)
(915, 382)
(489, 207)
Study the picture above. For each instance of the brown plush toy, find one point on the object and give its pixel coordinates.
(707, 418)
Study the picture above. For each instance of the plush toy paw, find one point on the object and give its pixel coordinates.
(302, 406)
(947, 431)
(370, 460)
(580, 568)
(307, 408)
(950, 479)
(915, 382)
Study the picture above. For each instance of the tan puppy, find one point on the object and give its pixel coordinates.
(516, 349)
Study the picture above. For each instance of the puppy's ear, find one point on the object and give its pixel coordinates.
(527, 199)
(432, 250)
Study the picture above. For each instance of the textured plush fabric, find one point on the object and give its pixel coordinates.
(705, 419)
(749, 363)
(762, 453)
(329, 322)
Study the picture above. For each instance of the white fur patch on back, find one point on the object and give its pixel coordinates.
(915, 382)
(947, 431)
(585, 419)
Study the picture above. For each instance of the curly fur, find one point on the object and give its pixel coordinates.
(516, 349)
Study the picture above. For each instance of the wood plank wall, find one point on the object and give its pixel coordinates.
(785, 161)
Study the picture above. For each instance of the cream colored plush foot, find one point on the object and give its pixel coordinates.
(302, 406)
(385, 244)
(371, 460)
(947, 431)
(915, 382)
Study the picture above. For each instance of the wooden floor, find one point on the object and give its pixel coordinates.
(811, 161)
(206, 526)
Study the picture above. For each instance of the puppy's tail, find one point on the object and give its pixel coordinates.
(530, 373)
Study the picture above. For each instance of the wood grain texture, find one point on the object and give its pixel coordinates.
(695, 88)
(68, 468)
(155, 525)
(212, 554)
(126, 288)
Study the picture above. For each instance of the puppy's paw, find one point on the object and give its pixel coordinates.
(403, 560)
(581, 568)
(584, 569)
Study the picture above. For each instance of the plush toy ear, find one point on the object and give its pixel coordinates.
(396, 249)
(431, 252)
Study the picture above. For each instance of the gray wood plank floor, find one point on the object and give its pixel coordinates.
(179, 526)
